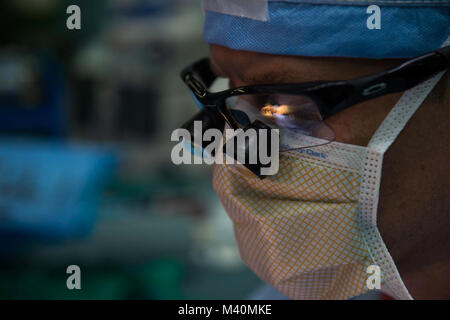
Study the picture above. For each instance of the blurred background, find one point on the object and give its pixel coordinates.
(85, 171)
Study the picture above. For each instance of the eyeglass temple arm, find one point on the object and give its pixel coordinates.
(202, 70)
(403, 77)
(400, 78)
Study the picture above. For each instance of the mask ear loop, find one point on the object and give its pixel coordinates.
(385, 135)
(400, 114)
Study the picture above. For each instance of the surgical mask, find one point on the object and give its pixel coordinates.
(311, 230)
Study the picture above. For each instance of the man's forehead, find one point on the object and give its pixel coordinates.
(258, 68)
(252, 67)
(230, 62)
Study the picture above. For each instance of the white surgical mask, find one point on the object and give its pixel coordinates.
(311, 230)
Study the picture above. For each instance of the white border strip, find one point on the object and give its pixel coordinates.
(252, 9)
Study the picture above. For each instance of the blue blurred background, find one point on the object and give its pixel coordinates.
(85, 170)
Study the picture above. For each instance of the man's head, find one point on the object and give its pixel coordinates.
(413, 207)
(413, 211)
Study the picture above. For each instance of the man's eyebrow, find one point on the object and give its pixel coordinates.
(253, 78)
(267, 78)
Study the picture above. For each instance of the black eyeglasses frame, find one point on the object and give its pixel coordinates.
(330, 96)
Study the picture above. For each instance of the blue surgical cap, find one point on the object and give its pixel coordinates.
(406, 28)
